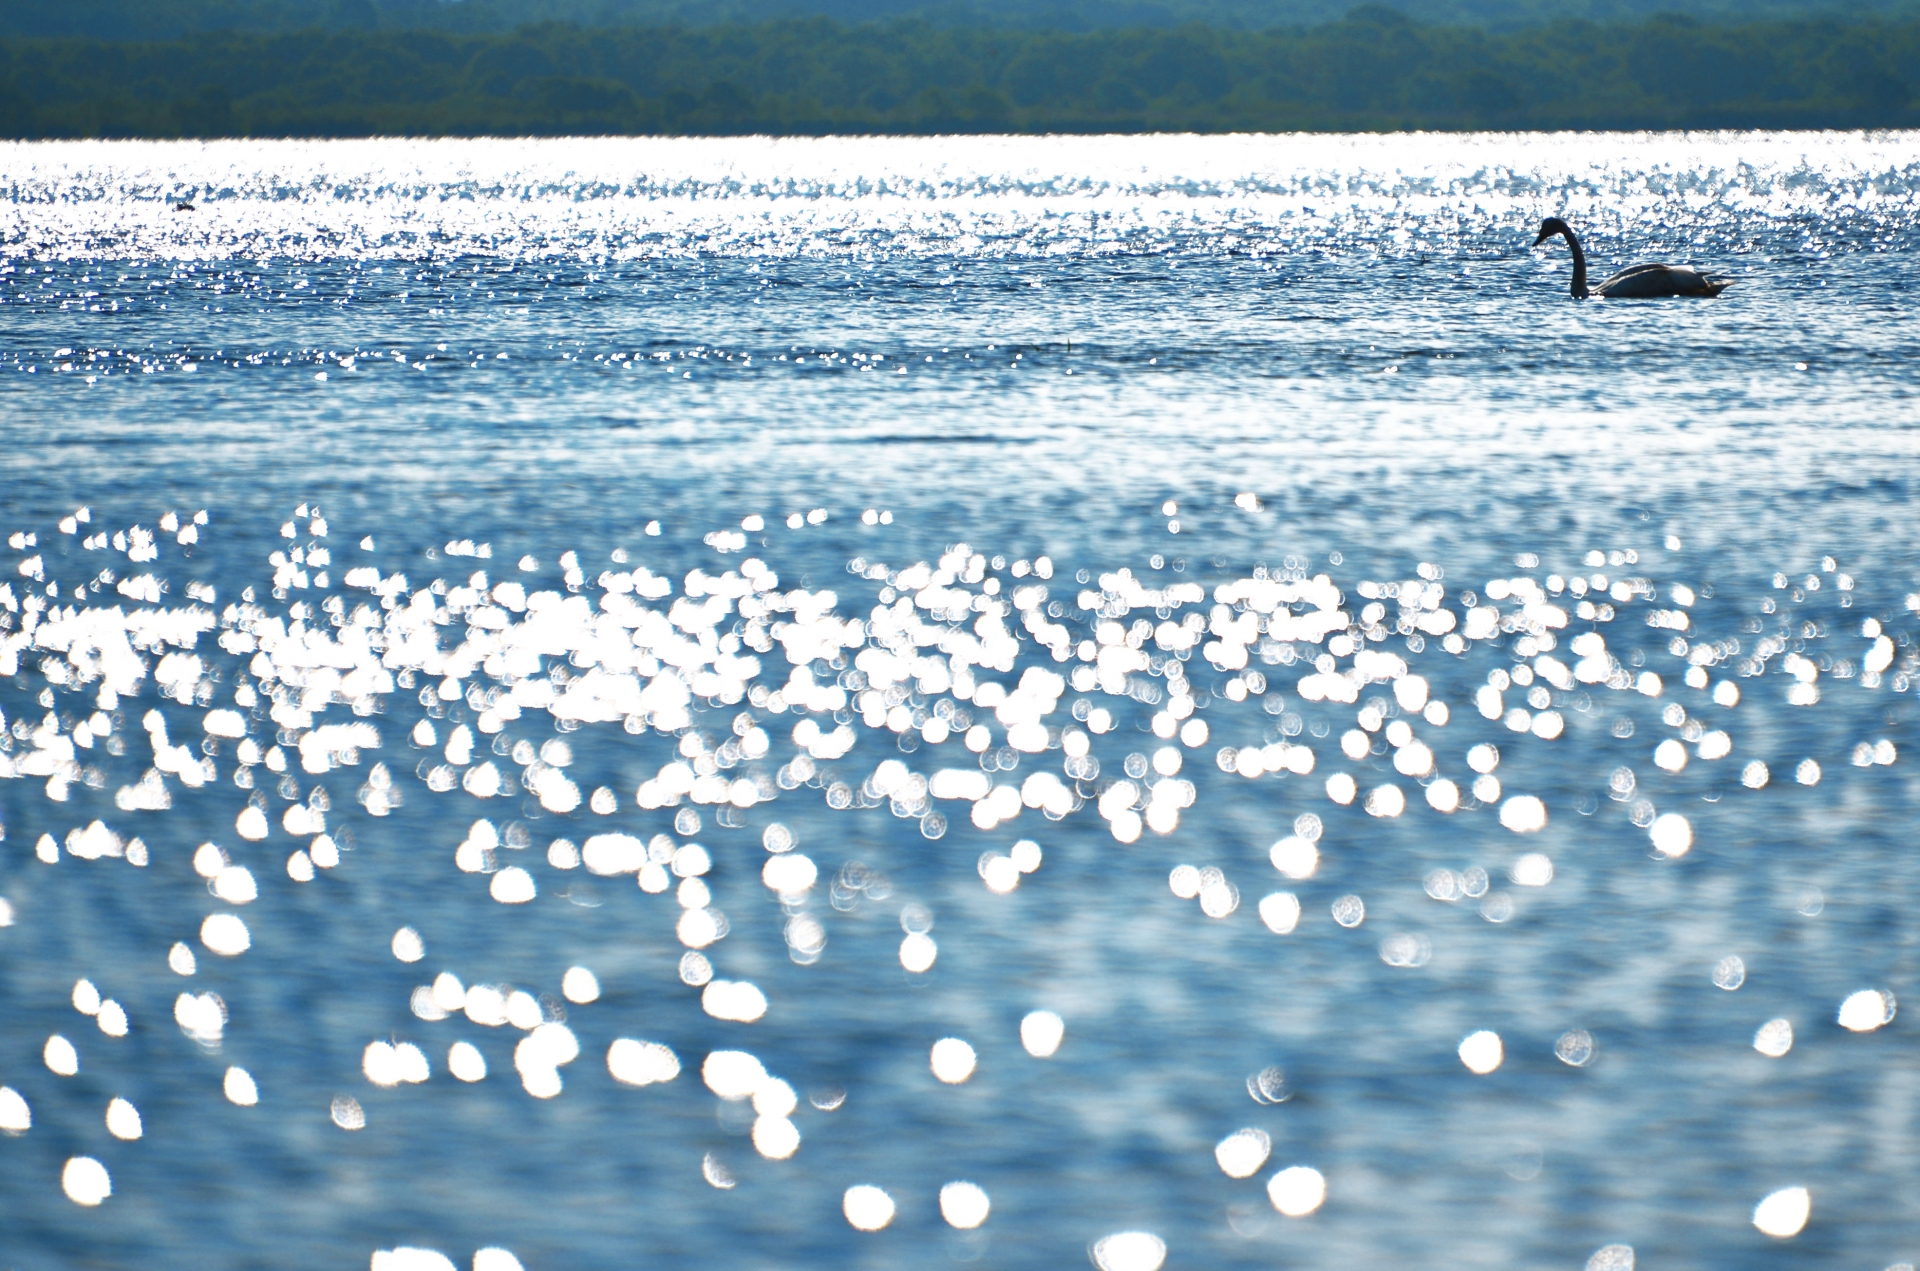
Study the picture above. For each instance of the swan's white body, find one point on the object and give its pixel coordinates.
(1636, 282)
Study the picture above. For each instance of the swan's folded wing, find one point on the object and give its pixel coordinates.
(1691, 282)
(1656, 281)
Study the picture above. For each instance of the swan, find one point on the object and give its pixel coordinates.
(1636, 282)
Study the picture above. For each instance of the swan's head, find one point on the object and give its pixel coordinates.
(1551, 226)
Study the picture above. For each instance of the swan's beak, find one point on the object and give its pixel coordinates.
(1545, 234)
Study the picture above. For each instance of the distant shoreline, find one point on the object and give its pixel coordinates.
(1374, 71)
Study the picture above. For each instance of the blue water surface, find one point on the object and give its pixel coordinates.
(1101, 423)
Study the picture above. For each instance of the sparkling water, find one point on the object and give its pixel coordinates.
(877, 703)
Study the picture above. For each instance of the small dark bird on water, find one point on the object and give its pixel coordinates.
(183, 206)
(1636, 282)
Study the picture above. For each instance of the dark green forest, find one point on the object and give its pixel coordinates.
(170, 19)
(1373, 69)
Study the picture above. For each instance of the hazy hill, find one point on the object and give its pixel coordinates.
(170, 19)
(1372, 70)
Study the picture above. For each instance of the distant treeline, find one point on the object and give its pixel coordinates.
(1372, 70)
(173, 19)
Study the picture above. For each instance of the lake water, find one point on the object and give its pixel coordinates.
(1257, 505)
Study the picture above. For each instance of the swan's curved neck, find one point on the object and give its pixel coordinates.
(1579, 266)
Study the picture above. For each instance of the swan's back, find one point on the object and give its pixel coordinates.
(1654, 282)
